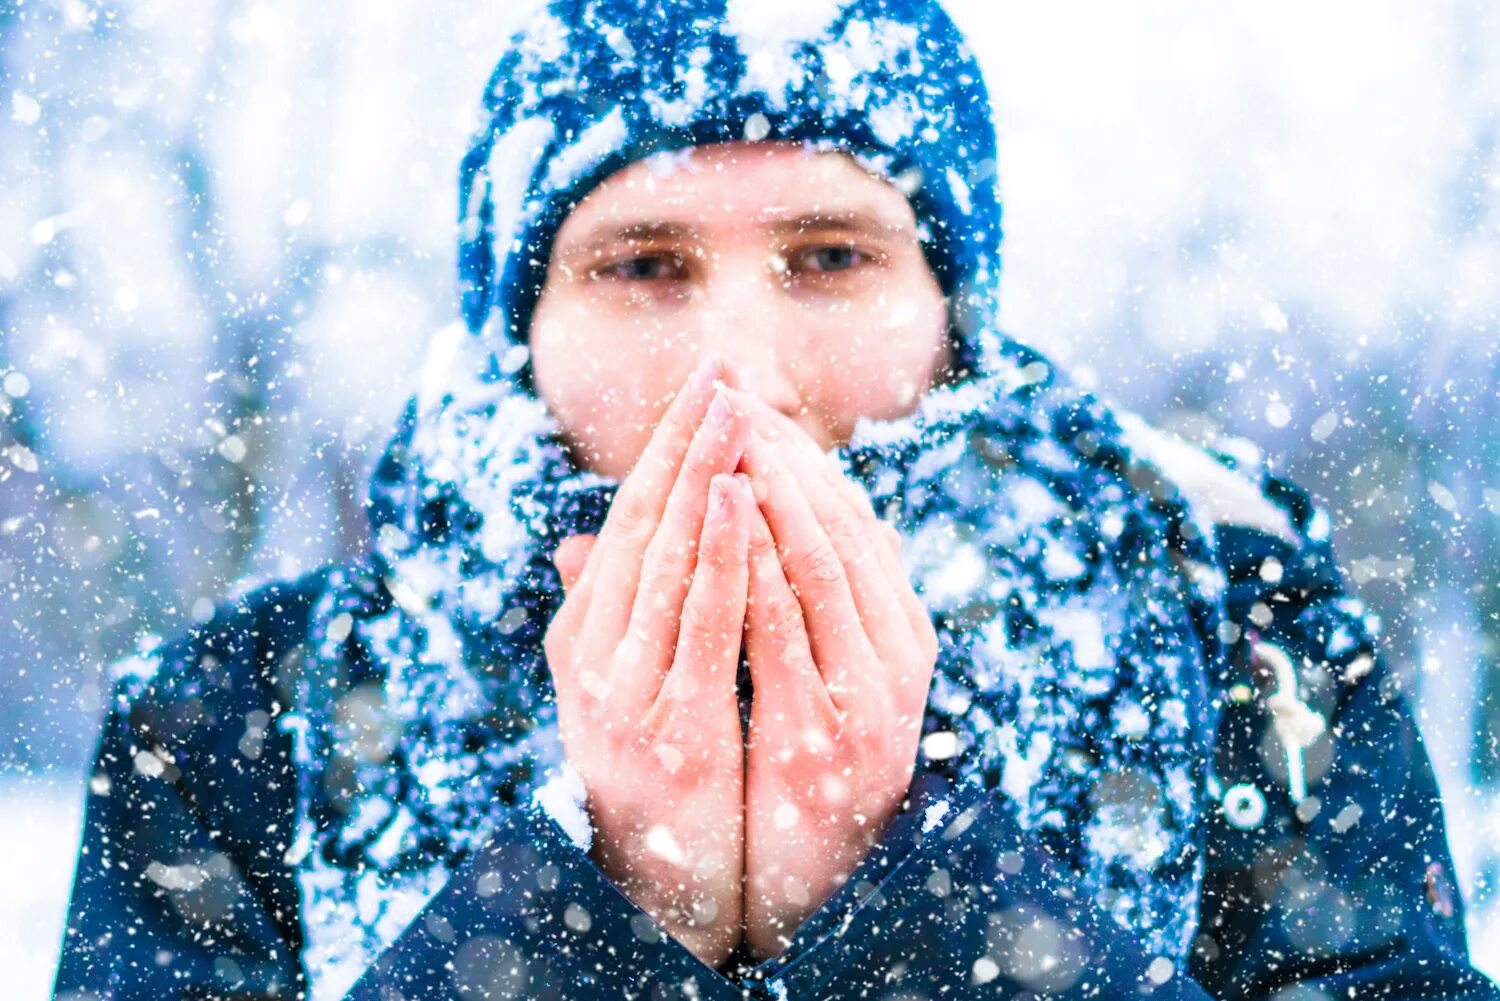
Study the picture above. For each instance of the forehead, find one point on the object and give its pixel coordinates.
(731, 185)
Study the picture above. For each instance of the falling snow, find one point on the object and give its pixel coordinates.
(1205, 541)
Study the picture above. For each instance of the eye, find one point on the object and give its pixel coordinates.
(646, 268)
(831, 259)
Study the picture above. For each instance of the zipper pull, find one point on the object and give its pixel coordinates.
(1296, 723)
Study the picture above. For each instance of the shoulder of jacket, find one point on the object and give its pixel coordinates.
(1214, 482)
(236, 648)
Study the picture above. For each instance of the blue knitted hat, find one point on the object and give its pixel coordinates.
(589, 86)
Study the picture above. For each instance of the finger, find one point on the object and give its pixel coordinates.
(570, 556)
(781, 661)
(813, 569)
(917, 616)
(912, 610)
(642, 497)
(859, 545)
(668, 563)
(828, 468)
(915, 612)
(713, 617)
(892, 538)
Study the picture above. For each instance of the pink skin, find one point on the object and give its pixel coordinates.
(812, 325)
(841, 654)
(643, 655)
(820, 335)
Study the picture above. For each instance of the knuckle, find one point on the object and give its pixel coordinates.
(846, 532)
(636, 519)
(664, 569)
(696, 626)
(761, 546)
(718, 555)
(676, 425)
(701, 637)
(820, 564)
(668, 732)
(714, 560)
(784, 614)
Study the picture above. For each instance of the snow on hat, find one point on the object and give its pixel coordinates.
(590, 86)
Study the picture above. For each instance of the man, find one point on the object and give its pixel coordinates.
(1100, 720)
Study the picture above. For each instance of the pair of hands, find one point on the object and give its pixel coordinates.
(733, 523)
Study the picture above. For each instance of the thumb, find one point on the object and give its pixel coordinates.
(572, 553)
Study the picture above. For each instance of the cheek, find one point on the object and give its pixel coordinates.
(604, 386)
(881, 361)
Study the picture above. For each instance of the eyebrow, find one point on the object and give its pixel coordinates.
(605, 236)
(855, 221)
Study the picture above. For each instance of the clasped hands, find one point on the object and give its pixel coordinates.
(733, 524)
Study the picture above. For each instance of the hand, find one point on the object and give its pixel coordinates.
(841, 655)
(643, 655)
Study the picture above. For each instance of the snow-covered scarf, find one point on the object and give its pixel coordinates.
(1073, 592)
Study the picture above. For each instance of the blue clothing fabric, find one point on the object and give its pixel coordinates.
(1158, 725)
(1077, 609)
(183, 889)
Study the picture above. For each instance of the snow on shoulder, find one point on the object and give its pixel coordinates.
(1218, 492)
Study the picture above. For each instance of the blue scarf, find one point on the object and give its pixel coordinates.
(1074, 592)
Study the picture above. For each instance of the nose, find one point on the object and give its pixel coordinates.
(741, 321)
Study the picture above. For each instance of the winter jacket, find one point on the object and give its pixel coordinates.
(1173, 762)
(183, 888)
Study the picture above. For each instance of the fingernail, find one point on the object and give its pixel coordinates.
(719, 411)
(705, 374)
(747, 489)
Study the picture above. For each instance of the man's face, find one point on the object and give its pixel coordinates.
(800, 269)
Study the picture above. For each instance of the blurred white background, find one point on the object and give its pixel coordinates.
(226, 229)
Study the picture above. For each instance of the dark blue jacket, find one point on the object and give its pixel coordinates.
(183, 888)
